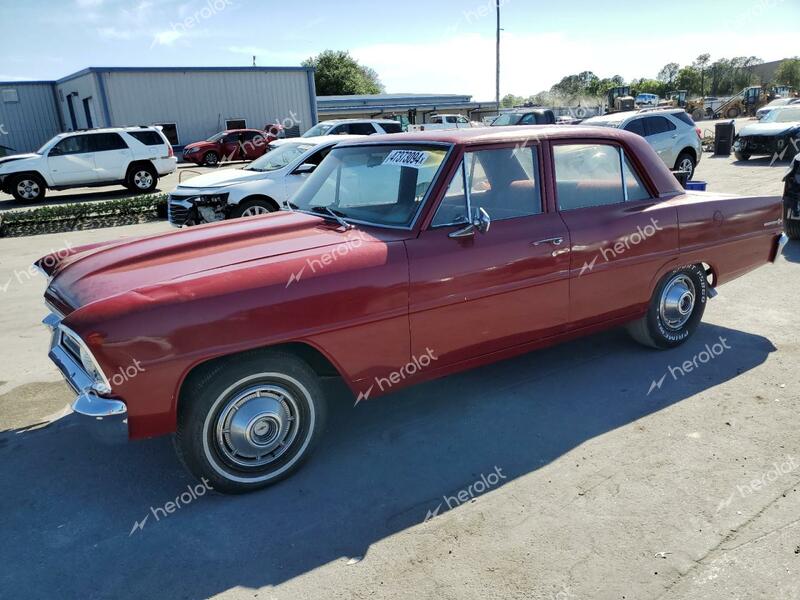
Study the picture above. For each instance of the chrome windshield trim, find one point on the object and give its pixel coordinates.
(354, 144)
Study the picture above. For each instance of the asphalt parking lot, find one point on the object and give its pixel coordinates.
(562, 474)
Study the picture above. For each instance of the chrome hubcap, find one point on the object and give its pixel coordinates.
(255, 210)
(143, 180)
(257, 426)
(677, 302)
(28, 189)
(211, 159)
(686, 165)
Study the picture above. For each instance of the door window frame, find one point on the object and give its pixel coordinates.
(537, 146)
(624, 152)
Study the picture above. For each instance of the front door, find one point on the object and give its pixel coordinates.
(482, 293)
(71, 161)
(621, 234)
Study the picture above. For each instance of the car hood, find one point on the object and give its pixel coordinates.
(103, 271)
(13, 157)
(770, 129)
(220, 178)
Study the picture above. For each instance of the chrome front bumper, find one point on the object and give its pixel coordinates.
(105, 418)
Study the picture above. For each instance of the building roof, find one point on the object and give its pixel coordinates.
(393, 102)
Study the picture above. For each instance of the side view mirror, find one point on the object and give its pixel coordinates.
(304, 169)
(480, 223)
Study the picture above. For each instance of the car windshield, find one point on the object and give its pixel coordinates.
(279, 157)
(216, 137)
(506, 119)
(376, 184)
(318, 129)
(783, 115)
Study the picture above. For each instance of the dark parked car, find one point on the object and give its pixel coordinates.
(777, 134)
(526, 116)
(230, 145)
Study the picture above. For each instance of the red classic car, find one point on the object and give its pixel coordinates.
(404, 258)
(230, 145)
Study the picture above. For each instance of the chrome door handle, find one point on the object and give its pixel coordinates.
(556, 241)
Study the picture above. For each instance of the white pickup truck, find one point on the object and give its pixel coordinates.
(445, 122)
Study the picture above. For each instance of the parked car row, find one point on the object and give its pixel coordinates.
(391, 244)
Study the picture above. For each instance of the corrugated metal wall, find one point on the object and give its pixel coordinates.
(199, 102)
(83, 87)
(30, 121)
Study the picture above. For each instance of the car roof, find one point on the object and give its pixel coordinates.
(338, 121)
(317, 140)
(108, 130)
(489, 135)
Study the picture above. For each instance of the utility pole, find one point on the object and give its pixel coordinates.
(497, 82)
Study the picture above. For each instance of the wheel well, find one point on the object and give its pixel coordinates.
(11, 178)
(266, 199)
(140, 163)
(318, 362)
(690, 151)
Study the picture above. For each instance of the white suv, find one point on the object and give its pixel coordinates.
(671, 132)
(354, 127)
(131, 156)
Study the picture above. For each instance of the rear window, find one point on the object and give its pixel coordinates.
(392, 127)
(685, 118)
(148, 138)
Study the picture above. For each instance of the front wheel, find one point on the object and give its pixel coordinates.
(675, 310)
(211, 159)
(743, 156)
(252, 208)
(28, 188)
(248, 423)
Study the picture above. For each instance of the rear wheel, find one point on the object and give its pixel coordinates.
(252, 208)
(790, 226)
(732, 112)
(28, 188)
(698, 115)
(142, 179)
(686, 162)
(675, 311)
(248, 423)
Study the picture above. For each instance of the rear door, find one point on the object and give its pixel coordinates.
(662, 135)
(490, 291)
(230, 146)
(111, 156)
(71, 161)
(621, 233)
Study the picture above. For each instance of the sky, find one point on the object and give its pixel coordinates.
(416, 46)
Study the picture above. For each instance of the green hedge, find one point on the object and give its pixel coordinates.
(87, 215)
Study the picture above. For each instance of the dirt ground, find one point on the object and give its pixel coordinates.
(568, 473)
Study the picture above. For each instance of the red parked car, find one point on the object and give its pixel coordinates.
(404, 258)
(230, 145)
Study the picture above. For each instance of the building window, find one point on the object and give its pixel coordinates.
(10, 95)
(170, 131)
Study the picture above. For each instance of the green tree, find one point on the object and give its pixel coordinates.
(668, 73)
(510, 101)
(788, 73)
(701, 64)
(339, 74)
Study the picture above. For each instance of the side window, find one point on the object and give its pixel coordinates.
(529, 119)
(75, 144)
(636, 126)
(452, 119)
(436, 120)
(103, 142)
(590, 175)
(318, 157)
(338, 130)
(148, 138)
(361, 129)
(463, 120)
(231, 138)
(504, 182)
(249, 136)
(656, 125)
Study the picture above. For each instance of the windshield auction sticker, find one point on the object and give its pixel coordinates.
(406, 158)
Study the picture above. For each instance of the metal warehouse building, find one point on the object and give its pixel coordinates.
(191, 103)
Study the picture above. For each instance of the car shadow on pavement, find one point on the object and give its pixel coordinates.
(85, 520)
(791, 251)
